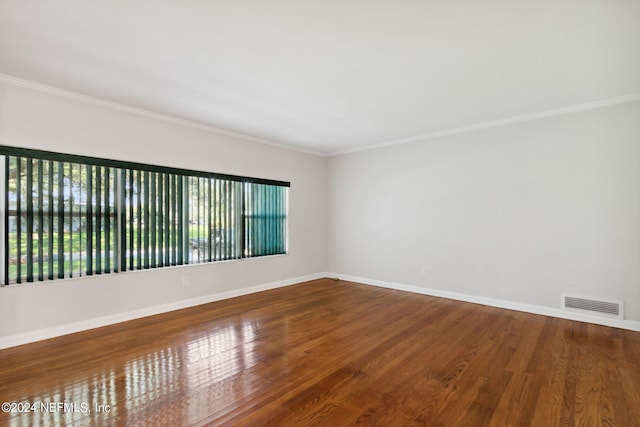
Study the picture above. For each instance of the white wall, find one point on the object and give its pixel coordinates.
(33, 119)
(519, 213)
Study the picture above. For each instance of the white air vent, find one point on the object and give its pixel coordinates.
(599, 306)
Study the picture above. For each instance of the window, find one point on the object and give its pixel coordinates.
(69, 216)
(265, 219)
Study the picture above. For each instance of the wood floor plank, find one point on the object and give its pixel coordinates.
(550, 398)
(329, 353)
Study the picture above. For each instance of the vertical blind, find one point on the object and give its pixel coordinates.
(69, 216)
(265, 219)
(61, 221)
(172, 219)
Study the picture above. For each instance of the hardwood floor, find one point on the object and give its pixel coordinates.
(330, 353)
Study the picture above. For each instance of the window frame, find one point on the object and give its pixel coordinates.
(121, 208)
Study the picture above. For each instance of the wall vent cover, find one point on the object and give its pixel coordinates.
(605, 307)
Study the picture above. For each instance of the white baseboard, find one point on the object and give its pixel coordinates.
(42, 334)
(56, 331)
(510, 305)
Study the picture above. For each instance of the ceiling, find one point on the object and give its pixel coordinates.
(329, 76)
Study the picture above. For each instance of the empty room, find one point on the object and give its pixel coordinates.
(292, 213)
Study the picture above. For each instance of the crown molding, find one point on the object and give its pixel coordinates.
(500, 122)
(67, 94)
(27, 84)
